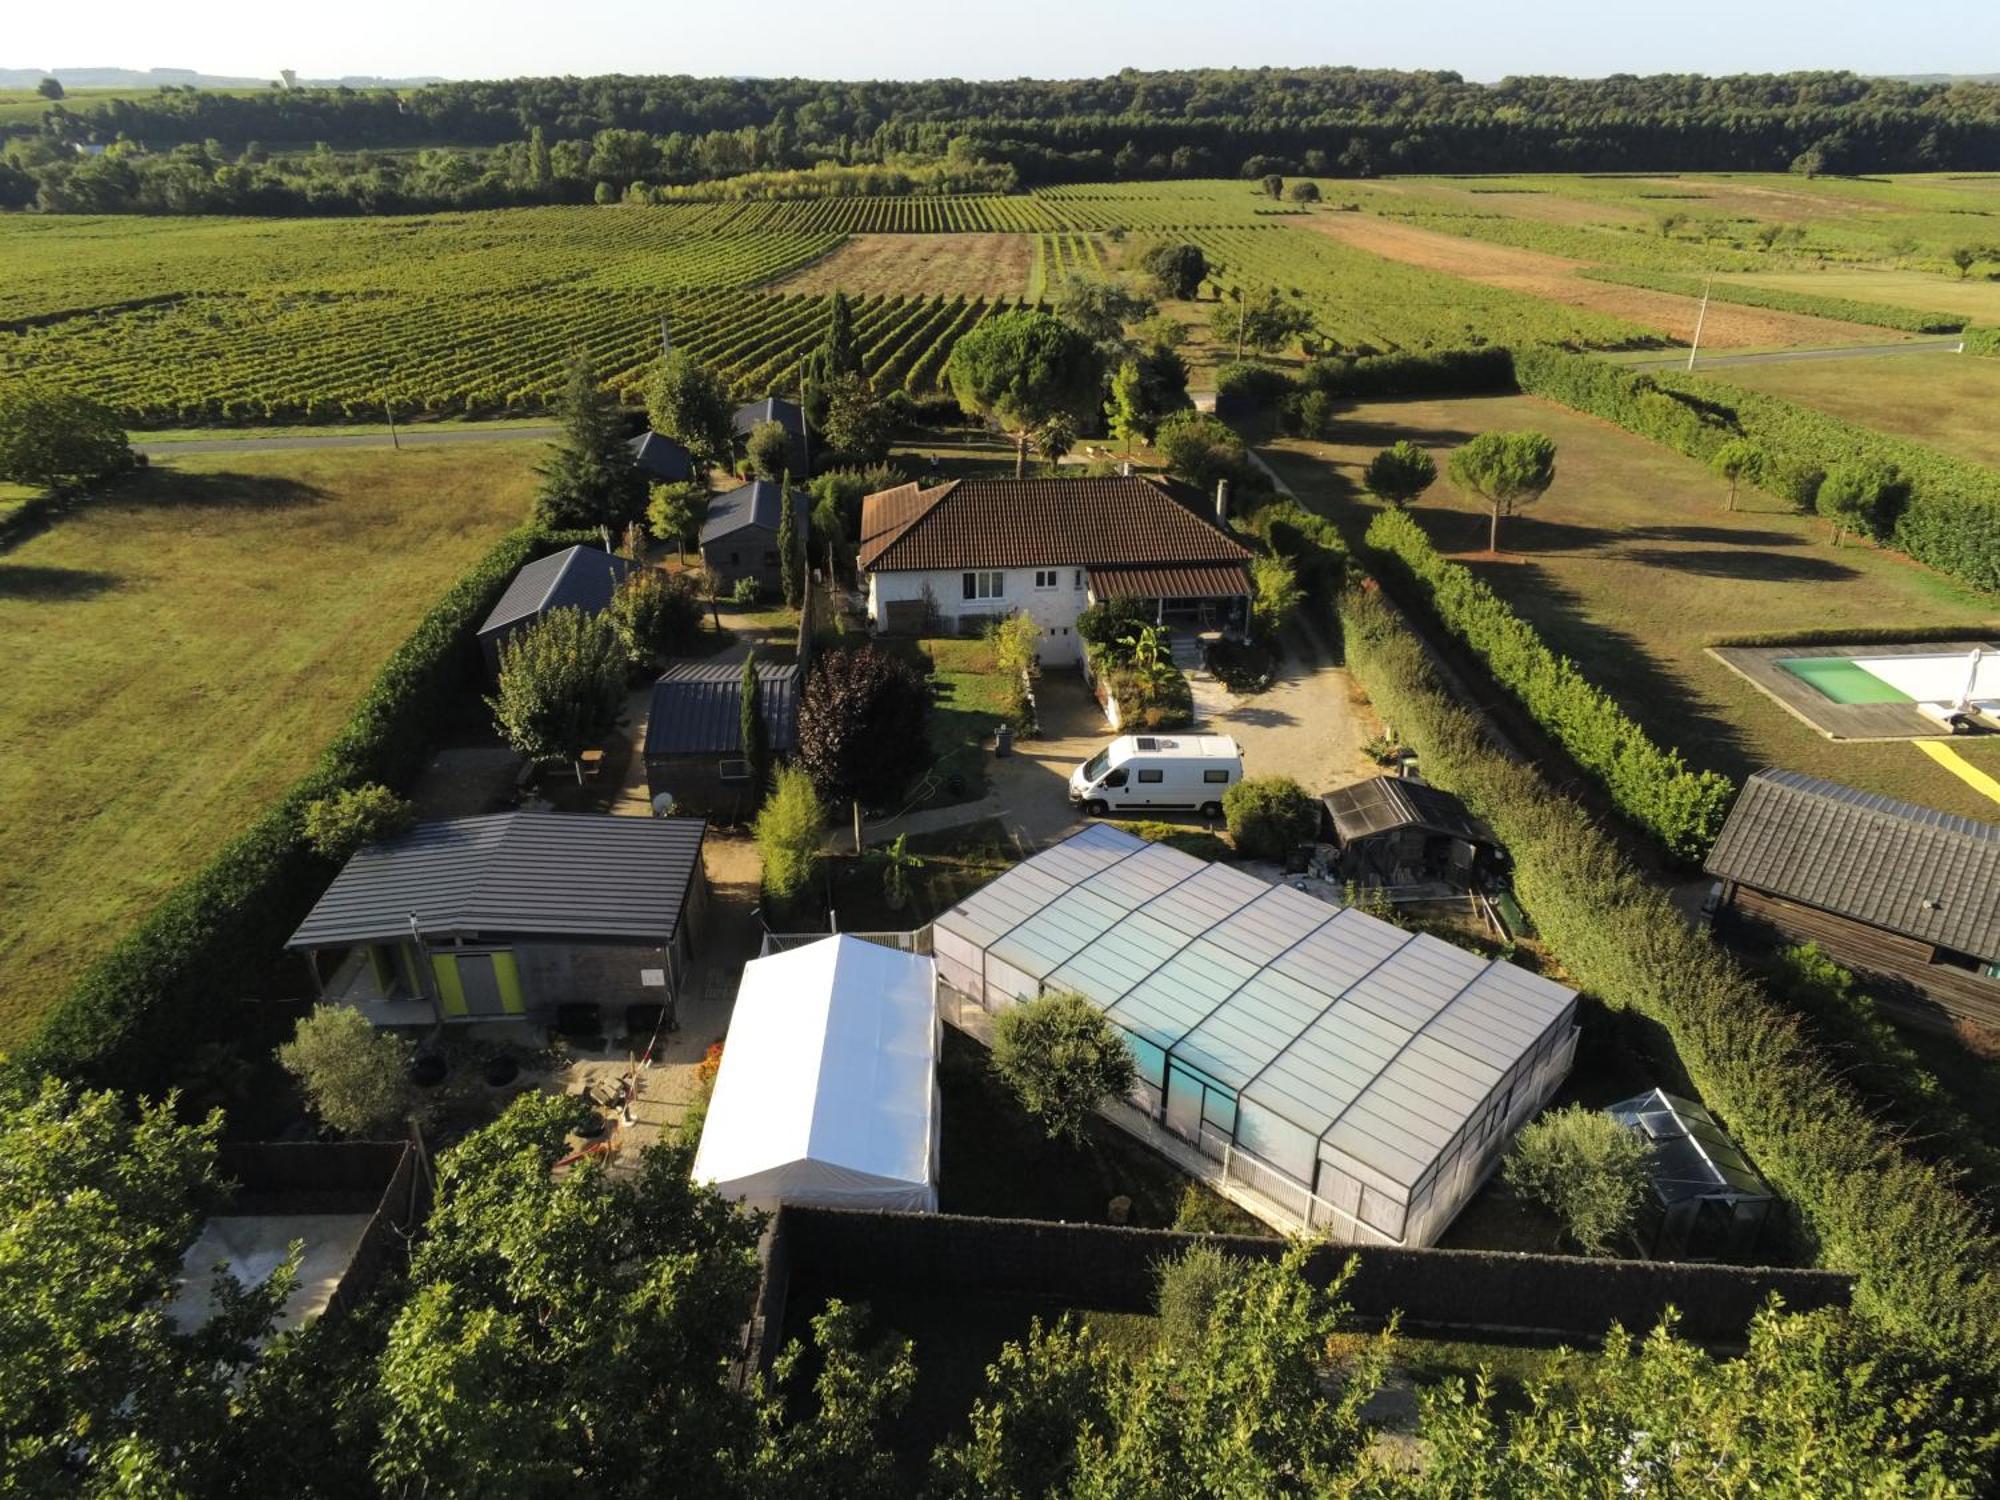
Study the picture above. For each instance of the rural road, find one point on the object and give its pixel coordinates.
(1786, 356)
(417, 439)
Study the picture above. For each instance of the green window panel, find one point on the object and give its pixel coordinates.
(507, 974)
(451, 993)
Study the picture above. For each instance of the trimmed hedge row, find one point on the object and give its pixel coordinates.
(1925, 1263)
(1650, 785)
(1846, 309)
(128, 1021)
(1241, 389)
(1952, 519)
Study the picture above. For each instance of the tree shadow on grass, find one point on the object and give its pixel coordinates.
(1725, 536)
(224, 490)
(1453, 530)
(1752, 564)
(53, 585)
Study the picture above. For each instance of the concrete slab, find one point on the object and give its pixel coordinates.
(255, 1245)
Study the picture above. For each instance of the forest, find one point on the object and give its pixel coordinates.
(573, 140)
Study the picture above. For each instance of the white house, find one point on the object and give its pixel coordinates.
(951, 558)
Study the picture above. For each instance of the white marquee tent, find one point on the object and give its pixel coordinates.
(827, 1092)
(1362, 1078)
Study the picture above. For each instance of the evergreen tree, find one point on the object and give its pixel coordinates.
(591, 479)
(791, 550)
(756, 736)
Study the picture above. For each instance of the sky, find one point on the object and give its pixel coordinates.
(1481, 39)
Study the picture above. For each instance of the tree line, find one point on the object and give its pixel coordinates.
(490, 144)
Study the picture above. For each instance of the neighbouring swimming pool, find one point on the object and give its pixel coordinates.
(1843, 679)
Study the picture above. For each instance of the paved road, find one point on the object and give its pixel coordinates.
(1787, 356)
(416, 439)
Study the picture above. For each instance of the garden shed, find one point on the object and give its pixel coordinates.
(740, 537)
(694, 734)
(582, 578)
(1397, 831)
(1707, 1201)
(1362, 1078)
(828, 1091)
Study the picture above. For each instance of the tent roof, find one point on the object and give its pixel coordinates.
(828, 1080)
(1380, 1042)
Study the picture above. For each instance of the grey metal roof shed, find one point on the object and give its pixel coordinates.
(1365, 1078)
(663, 460)
(1911, 870)
(579, 876)
(582, 578)
(1383, 803)
(697, 709)
(758, 504)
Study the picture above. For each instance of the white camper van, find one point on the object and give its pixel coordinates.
(1158, 773)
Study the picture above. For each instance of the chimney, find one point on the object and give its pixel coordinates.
(1222, 502)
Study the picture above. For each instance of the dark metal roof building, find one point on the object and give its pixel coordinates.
(579, 578)
(758, 505)
(1385, 803)
(1924, 874)
(582, 876)
(663, 460)
(698, 709)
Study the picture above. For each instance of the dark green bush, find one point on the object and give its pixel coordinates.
(1269, 816)
(1923, 1257)
(178, 976)
(1649, 784)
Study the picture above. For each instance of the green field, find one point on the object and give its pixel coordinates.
(1948, 401)
(177, 656)
(1973, 297)
(1632, 566)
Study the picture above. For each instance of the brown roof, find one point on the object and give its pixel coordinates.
(1024, 523)
(1199, 581)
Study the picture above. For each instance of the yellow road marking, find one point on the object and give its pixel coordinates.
(1960, 767)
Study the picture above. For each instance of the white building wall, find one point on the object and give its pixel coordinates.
(1054, 609)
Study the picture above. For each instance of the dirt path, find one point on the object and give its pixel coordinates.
(1554, 278)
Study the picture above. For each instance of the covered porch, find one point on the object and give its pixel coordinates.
(1200, 597)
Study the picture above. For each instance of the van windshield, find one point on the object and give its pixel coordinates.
(1094, 767)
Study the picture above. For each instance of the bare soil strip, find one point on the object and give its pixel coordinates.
(979, 265)
(1554, 278)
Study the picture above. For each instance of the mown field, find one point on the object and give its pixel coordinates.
(1631, 565)
(1949, 401)
(178, 655)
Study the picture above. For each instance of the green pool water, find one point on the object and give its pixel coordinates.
(1842, 680)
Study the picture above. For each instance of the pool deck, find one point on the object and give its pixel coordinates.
(1842, 721)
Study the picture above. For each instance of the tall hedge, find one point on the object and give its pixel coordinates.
(1927, 1268)
(175, 977)
(1952, 519)
(1244, 388)
(1650, 785)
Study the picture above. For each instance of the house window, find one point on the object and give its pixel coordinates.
(985, 585)
(1146, 777)
(1046, 578)
(1078, 585)
(733, 557)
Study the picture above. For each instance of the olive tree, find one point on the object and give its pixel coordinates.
(354, 1074)
(1062, 1059)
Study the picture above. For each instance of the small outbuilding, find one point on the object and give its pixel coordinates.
(582, 578)
(510, 916)
(740, 537)
(662, 460)
(1396, 831)
(1706, 1200)
(788, 415)
(1363, 1080)
(694, 734)
(828, 1089)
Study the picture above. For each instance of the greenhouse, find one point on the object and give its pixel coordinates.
(1363, 1078)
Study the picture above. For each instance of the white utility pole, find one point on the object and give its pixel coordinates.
(1699, 319)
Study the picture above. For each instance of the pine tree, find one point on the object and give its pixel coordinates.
(591, 479)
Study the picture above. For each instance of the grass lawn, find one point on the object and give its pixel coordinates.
(1945, 400)
(971, 697)
(177, 656)
(1632, 566)
(1923, 290)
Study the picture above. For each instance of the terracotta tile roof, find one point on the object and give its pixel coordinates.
(1024, 523)
(1201, 581)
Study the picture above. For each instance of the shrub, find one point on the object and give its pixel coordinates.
(1179, 268)
(51, 439)
(791, 830)
(1188, 1286)
(1200, 449)
(1062, 1059)
(1585, 1168)
(746, 593)
(1923, 1257)
(562, 685)
(1399, 473)
(1269, 816)
(654, 614)
(353, 817)
(1241, 389)
(1650, 785)
(1860, 495)
(1276, 593)
(768, 450)
(355, 1075)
